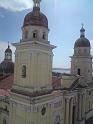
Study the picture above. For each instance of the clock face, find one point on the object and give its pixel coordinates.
(43, 111)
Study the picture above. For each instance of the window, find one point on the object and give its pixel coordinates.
(6, 108)
(24, 71)
(73, 114)
(89, 93)
(43, 111)
(57, 119)
(44, 36)
(78, 71)
(79, 51)
(35, 34)
(4, 121)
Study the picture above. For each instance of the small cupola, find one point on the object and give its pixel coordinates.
(82, 41)
(8, 53)
(35, 17)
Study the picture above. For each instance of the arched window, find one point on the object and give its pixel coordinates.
(78, 71)
(79, 51)
(6, 109)
(44, 36)
(57, 119)
(43, 111)
(24, 71)
(35, 34)
(4, 121)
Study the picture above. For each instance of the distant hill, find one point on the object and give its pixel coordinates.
(61, 70)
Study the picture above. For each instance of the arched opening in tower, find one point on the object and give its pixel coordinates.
(78, 71)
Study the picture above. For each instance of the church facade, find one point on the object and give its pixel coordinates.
(34, 97)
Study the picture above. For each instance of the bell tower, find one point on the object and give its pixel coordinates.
(33, 70)
(81, 61)
(8, 53)
(33, 56)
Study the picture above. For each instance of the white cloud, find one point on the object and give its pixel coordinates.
(3, 47)
(16, 5)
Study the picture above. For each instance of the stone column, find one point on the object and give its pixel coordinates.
(83, 106)
(12, 113)
(71, 110)
(79, 112)
(67, 111)
(86, 102)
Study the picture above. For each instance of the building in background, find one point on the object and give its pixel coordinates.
(35, 95)
(7, 65)
(81, 61)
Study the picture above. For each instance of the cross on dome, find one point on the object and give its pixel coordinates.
(82, 31)
(37, 3)
(8, 45)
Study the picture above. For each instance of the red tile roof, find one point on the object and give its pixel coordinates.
(4, 92)
(56, 82)
(7, 82)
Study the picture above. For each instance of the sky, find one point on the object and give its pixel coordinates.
(64, 16)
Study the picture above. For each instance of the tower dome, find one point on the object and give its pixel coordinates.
(8, 50)
(7, 66)
(8, 53)
(82, 41)
(36, 17)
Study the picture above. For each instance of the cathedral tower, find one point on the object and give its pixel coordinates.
(8, 54)
(7, 66)
(81, 61)
(32, 100)
(33, 57)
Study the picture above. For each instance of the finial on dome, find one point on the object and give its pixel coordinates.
(82, 25)
(8, 45)
(82, 31)
(37, 3)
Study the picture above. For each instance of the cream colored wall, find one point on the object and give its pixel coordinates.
(82, 59)
(30, 29)
(4, 102)
(38, 60)
(85, 65)
(66, 81)
(24, 110)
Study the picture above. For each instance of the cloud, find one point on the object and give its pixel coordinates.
(3, 47)
(16, 5)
